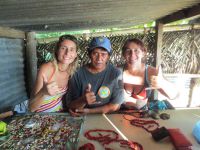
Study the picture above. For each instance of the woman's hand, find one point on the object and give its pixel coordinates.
(51, 88)
(157, 82)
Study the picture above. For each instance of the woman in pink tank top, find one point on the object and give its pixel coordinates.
(52, 78)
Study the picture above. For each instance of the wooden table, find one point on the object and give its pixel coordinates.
(182, 119)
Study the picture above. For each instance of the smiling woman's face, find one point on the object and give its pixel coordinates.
(67, 52)
(133, 53)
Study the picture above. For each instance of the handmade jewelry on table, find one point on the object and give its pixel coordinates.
(41, 131)
(135, 113)
(87, 146)
(148, 125)
(106, 137)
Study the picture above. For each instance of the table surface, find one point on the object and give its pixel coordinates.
(182, 119)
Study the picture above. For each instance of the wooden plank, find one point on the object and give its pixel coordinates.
(159, 38)
(182, 14)
(31, 60)
(180, 75)
(125, 31)
(11, 33)
(184, 119)
(96, 121)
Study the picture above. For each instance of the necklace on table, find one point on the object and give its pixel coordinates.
(106, 137)
(148, 125)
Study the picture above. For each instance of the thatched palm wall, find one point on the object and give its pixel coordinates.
(180, 56)
(180, 52)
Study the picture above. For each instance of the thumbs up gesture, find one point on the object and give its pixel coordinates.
(89, 96)
(157, 81)
(88, 88)
(50, 88)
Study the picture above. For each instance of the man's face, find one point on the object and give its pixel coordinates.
(99, 57)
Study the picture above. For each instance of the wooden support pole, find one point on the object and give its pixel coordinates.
(31, 61)
(159, 38)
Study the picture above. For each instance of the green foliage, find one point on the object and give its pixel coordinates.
(147, 25)
(179, 22)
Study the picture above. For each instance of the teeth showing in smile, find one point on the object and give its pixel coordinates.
(66, 58)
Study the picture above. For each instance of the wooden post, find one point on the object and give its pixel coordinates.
(192, 86)
(159, 38)
(31, 61)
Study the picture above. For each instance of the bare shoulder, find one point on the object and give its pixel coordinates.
(46, 69)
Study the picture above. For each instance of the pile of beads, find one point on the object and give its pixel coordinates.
(42, 131)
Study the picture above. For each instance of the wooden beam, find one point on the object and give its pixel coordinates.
(182, 14)
(159, 38)
(11, 33)
(125, 31)
(31, 61)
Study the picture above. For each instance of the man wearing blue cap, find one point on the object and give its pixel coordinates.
(96, 87)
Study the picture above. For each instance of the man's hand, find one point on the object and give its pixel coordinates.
(83, 111)
(90, 97)
(79, 112)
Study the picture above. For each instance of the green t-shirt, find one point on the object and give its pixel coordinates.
(107, 85)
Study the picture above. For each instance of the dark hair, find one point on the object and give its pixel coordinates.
(61, 39)
(136, 41)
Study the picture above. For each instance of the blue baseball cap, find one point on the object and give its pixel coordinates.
(102, 42)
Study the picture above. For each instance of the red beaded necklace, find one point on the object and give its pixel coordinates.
(87, 146)
(103, 139)
(106, 137)
(148, 125)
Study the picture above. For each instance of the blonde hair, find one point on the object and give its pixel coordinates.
(72, 67)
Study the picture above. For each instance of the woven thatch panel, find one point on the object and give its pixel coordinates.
(180, 52)
(45, 50)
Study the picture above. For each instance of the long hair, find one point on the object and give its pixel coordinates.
(72, 67)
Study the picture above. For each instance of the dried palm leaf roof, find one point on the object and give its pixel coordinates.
(51, 15)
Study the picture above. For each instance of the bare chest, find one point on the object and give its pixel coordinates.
(133, 83)
(61, 79)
